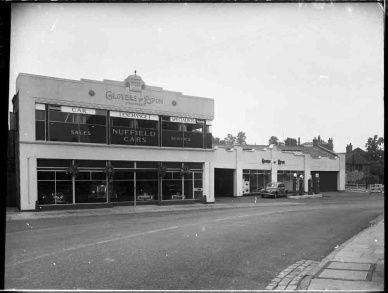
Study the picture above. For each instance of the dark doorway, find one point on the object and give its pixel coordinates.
(327, 181)
(223, 182)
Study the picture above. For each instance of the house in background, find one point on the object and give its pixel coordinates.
(357, 166)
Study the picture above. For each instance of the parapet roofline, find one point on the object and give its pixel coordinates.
(327, 150)
(112, 82)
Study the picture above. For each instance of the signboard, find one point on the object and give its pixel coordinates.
(183, 120)
(78, 110)
(134, 99)
(128, 136)
(72, 132)
(134, 115)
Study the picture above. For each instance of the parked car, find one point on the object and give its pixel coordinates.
(274, 189)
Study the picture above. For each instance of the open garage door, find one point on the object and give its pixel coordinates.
(223, 182)
(327, 180)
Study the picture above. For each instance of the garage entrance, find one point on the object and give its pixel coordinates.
(327, 181)
(223, 182)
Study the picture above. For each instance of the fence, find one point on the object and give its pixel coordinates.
(363, 187)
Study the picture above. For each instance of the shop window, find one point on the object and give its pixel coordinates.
(40, 122)
(172, 189)
(90, 163)
(287, 178)
(123, 164)
(134, 131)
(254, 180)
(147, 124)
(53, 163)
(76, 127)
(178, 134)
(189, 187)
(194, 166)
(147, 165)
(146, 185)
(173, 165)
(90, 188)
(54, 187)
(122, 186)
(208, 137)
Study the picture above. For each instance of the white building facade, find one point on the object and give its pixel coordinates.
(103, 143)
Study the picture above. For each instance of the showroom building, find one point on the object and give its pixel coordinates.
(104, 143)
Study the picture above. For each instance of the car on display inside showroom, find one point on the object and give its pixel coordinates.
(145, 197)
(274, 189)
(178, 195)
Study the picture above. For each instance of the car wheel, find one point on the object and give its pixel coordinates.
(262, 195)
(275, 195)
(285, 193)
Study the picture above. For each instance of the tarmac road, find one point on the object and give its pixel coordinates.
(239, 248)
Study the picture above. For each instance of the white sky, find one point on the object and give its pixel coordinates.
(283, 69)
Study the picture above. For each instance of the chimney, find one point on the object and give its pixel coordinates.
(349, 148)
(331, 146)
(298, 140)
(319, 139)
(315, 142)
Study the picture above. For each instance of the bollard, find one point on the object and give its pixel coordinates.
(204, 199)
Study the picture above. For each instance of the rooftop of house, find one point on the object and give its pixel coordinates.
(355, 158)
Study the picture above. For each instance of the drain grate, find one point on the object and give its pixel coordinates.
(347, 271)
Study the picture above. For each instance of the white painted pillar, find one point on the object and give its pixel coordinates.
(28, 182)
(208, 181)
(238, 174)
(274, 164)
(341, 177)
(307, 172)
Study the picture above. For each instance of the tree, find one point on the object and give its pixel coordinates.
(215, 140)
(241, 138)
(375, 149)
(273, 140)
(230, 140)
(290, 141)
(375, 154)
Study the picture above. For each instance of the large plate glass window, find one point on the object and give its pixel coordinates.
(182, 132)
(287, 178)
(172, 186)
(90, 187)
(208, 135)
(254, 180)
(40, 122)
(134, 129)
(146, 185)
(74, 124)
(54, 185)
(122, 186)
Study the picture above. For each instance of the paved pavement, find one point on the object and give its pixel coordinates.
(358, 264)
(14, 214)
